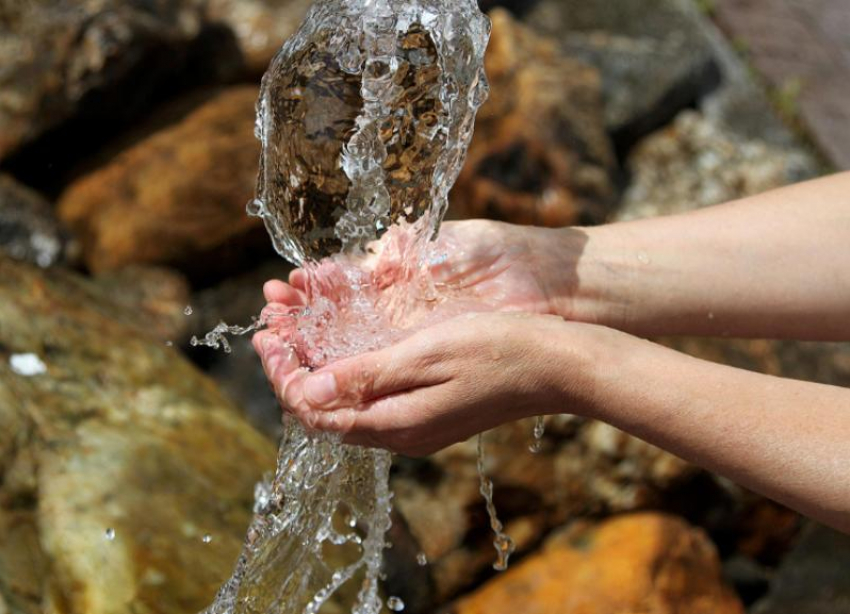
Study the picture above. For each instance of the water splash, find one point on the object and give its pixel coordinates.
(503, 544)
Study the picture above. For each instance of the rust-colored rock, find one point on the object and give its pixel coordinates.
(636, 564)
(176, 197)
(540, 153)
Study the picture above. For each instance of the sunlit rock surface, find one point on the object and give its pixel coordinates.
(540, 153)
(176, 196)
(647, 563)
(365, 116)
(115, 461)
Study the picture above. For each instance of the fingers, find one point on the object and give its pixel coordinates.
(353, 382)
(277, 291)
(278, 358)
(298, 280)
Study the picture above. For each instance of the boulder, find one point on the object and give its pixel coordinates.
(176, 197)
(813, 577)
(583, 467)
(539, 153)
(696, 162)
(647, 563)
(261, 26)
(29, 229)
(126, 477)
(99, 61)
(653, 55)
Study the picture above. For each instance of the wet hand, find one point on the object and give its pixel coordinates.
(441, 385)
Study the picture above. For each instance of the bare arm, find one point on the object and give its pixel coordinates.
(775, 265)
(786, 439)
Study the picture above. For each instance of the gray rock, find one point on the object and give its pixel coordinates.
(814, 578)
(29, 230)
(653, 56)
(696, 162)
(117, 457)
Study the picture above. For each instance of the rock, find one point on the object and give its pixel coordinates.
(92, 60)
(654, 57)
(176, 197)
(539, 153)
(695, 162)
(156, 297)
(239, 374)
(116, 458)
(261, 26)
(29, 230)
(647, 563)
(813, 578)
(583, 468)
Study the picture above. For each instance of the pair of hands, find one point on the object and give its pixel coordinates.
(457, 378)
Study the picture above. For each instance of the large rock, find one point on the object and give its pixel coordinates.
(261, 26)
(647, 563)
(696, 162)
(176, 197)
(117, 458)
(29, 229)
(813, 578)
(583, 468)
(94, 60)
(653, 55)
(540, 153)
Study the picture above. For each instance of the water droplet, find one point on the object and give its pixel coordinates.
(169, 344)
(109, 534)
(207, 538)
(188, 311)
(539, 430)
(421, 559)
(643, 258)
(352, 521)
(27, 365)
(395, 604)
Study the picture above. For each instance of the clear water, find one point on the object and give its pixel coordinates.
(364, 118)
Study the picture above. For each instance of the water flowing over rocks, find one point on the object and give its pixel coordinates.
(540, 153)
(115, 462)
(176, 197)
(648, 563)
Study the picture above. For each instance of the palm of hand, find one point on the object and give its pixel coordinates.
(493, 264)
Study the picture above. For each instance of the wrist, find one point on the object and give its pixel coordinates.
(596, 273)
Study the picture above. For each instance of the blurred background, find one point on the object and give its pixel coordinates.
(127, 155)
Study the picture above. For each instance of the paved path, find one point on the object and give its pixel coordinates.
(805, 41)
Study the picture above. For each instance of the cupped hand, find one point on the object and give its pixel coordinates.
(441, 385)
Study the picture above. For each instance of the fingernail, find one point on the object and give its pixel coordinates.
(320, 388)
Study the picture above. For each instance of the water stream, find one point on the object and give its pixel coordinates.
(364, 118)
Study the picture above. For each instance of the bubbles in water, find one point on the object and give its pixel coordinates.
(421, 559)
(395, 604)
(207, 538)
(188, 310)
(109, 534)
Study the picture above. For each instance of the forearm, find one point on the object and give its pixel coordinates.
(776, 266)
(785, 439)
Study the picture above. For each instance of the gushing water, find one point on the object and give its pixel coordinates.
(364, 118)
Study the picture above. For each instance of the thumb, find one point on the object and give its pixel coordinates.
(352, 382)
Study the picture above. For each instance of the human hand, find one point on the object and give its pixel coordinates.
(504, 266)
(443, 384)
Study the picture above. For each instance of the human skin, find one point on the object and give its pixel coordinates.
(775, 265)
